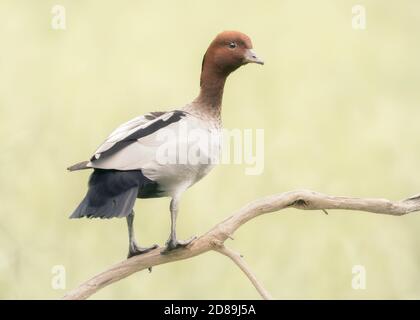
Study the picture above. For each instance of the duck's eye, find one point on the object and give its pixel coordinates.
(232, 45)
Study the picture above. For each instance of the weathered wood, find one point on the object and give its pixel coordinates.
(214, 239)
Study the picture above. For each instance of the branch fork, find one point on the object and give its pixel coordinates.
(214, 239)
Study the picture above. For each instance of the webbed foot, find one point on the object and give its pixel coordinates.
(135, 250)
(173, 244)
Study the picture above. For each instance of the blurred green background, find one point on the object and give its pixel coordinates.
(340, 109)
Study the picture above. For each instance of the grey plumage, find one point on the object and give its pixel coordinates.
(112, 193)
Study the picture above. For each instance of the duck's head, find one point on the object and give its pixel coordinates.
(228, 51)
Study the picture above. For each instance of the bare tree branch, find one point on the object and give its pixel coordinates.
(215, 237)
(237, 258)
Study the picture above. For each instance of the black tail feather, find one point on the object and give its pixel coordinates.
(111, 194)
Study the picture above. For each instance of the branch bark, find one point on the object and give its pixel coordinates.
(214, 239)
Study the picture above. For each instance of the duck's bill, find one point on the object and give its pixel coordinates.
(251, 57)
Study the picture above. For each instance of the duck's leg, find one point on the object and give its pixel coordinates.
(133, 248)
(173, 242)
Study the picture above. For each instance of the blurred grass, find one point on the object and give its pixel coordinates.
(340, 109)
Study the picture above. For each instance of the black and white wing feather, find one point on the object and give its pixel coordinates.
(132, 144)
(129, 162)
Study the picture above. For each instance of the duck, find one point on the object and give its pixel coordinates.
(141, 158)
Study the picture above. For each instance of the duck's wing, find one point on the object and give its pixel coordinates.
(133, 143)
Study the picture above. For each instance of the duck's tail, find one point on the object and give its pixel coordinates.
(111, 193)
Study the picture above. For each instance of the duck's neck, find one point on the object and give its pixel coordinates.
(212, 83)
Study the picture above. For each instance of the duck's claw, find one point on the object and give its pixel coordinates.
(136, 250)
(173, 244)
